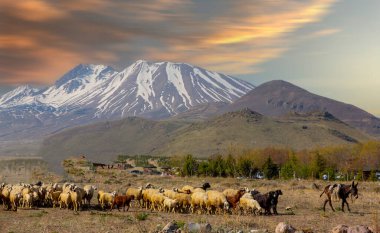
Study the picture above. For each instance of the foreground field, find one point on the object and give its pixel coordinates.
(301, 196)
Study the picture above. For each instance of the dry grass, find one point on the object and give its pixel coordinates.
(300, 195)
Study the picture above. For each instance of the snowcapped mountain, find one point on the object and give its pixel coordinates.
(20, 95)
(90, 93)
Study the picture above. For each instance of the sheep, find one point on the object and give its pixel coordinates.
(106, 199)
(100, 192)
(14, 198)
(27, 200)
(36, 198)
(57, 187)
(54, 197)
(198, 200)
(170, 205)
(76, 198)
(88, 193)
(64, 200)
(248, 204)
(136, 193)
(170, 193)
(123, 201)
(187, 188)
(147, 194)
(191, 189)
(233, 196)
(66, 187)
(184, 201)
(26, 190)
(157, 200)
(215, 201)
(6, 190)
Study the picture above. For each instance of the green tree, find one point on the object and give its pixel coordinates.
(217, 166)
(270, 169)
(230, 166)
(203, 168)
(190, 166)
(290, 168)
(359, 175)
(245, 167)
(318, 165)
(372, 176)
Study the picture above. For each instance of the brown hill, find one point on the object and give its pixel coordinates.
(245, 128)
(277, 98)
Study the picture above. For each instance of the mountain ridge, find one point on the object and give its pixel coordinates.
(91, 93)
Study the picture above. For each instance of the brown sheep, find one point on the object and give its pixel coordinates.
(233, 196)
(123, 200)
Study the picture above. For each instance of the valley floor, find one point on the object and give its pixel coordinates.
(301, 196)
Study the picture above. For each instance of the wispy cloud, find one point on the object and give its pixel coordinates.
(324, 32)
(40, 39)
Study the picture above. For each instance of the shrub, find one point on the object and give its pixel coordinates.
(141, 216)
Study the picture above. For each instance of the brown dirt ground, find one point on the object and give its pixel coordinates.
(300, 195)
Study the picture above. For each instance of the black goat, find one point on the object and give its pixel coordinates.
(265, 200)
(274, 201)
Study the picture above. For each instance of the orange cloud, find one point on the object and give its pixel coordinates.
(33, 10)
(41, 39)
(14, 41)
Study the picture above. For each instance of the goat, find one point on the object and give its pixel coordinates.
(265, 200)
(274, 200)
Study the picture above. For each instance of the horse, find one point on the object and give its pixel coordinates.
(343, 192)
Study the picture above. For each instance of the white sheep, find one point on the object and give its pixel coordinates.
(64, 200)
(5, 192)
(184, 201)
(27, 200)
(14, 198)
(249, 205)
(147, 196)
(170, 205)
(76, 198)
(170, 193)
(106, 199)
(66, 187)
(216, 201)
(100, 192)
(198, 200)
(136, 193)
(157, 200)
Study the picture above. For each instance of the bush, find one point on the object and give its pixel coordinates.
(141, 216)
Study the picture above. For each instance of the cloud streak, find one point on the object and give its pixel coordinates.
(40, 39)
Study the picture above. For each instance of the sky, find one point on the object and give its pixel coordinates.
(328, 47)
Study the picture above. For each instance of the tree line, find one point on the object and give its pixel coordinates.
(359, 161)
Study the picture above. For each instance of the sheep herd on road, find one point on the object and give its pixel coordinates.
(187, 199)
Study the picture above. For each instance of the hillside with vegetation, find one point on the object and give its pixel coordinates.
(245, 129)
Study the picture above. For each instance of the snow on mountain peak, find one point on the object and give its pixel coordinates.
(19, 95)
(83, 71)
(153, 89)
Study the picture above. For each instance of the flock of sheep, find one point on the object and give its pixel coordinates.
(188, 199)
